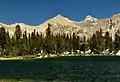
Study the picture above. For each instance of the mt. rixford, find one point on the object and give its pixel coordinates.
(61, 24)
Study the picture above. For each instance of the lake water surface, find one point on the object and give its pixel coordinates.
(64, 69)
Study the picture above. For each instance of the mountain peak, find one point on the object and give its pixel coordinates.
(59, 16)
(116, 14)
(90, 18)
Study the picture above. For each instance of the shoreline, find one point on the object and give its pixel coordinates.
(36, 58)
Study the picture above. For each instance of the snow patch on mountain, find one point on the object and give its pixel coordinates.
(89, 18)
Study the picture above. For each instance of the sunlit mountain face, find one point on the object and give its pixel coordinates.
(62, 24)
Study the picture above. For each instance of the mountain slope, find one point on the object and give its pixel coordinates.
(11, 27)
(61, 24)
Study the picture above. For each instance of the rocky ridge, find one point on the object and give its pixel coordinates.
(62, 24)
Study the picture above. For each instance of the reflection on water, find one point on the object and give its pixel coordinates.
(70, 69)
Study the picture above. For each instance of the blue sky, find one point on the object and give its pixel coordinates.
(34, 12)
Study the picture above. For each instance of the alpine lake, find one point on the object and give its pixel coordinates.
(62, 69)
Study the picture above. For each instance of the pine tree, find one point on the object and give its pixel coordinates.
(74, 42)
(41, 42)
(93, 43)
(58, 44)
(99, 42)
(48, 32)
(77, 43)
(107, 40)
(83, 44)
(25, 43)
(2, 39)
(117, 42)
(29, 43)
(17, 49)
(8, 46)
(18, 32)
(38, 43)
(112, 46)
(33, 42)
(83, 47)
(48, 38)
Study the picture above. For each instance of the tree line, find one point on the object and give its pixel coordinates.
(33, 43)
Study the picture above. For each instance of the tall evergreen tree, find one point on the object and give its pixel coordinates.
(74, 42)
(117, 42)
(48, 31)
(25, 43)
(2, 39)
(93, 43)
(48, 38)
(99, 42)
(107, 40)
(17, 49)
(8, 46)
(18, 32)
